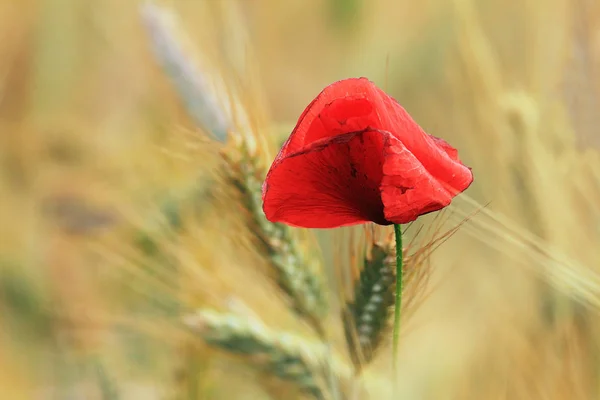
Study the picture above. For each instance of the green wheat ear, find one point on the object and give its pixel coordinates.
(297, 272)
(366, 317)
(282, 354)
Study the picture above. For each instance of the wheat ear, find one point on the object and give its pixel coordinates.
(282, 354)
(368, 314)
(298, 273)
(191, 84)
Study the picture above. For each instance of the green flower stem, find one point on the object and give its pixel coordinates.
(399, 266)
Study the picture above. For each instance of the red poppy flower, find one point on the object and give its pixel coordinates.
(357, 156)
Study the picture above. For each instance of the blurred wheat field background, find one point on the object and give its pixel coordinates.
(127, 262)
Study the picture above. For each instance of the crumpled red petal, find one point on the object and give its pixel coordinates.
(344, 107)
(333, 182)
(409, 190)
(357, 104)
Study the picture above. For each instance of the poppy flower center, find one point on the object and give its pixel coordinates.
(337, 176)
(355, 161)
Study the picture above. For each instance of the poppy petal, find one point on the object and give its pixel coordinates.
(333, 182)
(357, 104)
(409, 190)
(451, 151)
(345, 106)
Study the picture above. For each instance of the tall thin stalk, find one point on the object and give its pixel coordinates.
(399, 271)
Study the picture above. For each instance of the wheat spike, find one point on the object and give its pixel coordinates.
(282, 354)
(368, 310)
(366, 317)
(298, 273)
(190, 81)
